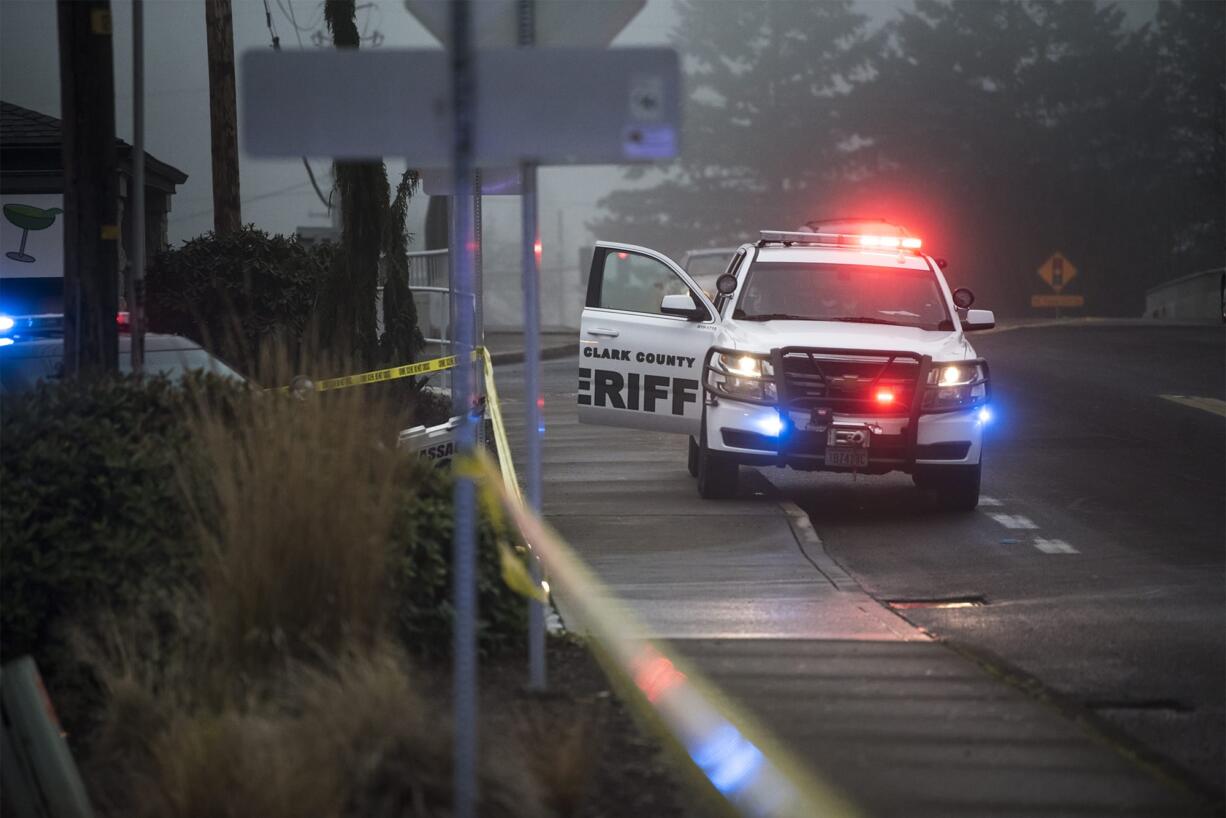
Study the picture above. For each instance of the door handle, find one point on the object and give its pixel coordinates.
(611, 333)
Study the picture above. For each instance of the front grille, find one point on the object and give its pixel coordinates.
(849, 384)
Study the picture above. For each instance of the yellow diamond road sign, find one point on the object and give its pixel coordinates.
(1057, 271)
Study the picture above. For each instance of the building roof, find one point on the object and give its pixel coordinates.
(21, 126)
(30, 142)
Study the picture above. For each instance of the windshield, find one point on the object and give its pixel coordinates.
(843, 292)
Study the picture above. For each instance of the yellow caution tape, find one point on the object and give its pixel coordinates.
(494, 410)
(392, 373)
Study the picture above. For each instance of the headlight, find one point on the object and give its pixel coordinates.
(744, 375)
(956, 374)
(956, 386)
(742, 366)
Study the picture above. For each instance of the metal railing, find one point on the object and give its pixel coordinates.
(428, 274)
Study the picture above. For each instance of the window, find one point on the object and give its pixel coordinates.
(634, 283)
(843, 292)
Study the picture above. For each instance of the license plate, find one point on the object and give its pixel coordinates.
(847, 456)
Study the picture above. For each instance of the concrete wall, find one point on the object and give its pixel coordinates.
(1195, 297)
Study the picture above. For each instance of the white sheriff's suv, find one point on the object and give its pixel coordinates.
(840, 349)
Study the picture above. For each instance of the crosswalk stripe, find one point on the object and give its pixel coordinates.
(1054, 546)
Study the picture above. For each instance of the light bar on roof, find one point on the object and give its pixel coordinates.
(865, 240)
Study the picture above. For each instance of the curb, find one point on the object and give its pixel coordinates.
(516, 356)
(814, 550)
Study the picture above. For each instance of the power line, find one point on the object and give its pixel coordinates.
(272, 31)
(293, 21)
(246, 200)
(276, 46)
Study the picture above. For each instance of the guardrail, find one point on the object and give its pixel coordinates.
(741, 759)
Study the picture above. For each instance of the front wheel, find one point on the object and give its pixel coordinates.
(956, 487)
(718, 473)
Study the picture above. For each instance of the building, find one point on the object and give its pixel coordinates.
(32, 197)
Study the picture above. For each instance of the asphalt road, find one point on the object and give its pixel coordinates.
(1098, 550)
(1095, 562)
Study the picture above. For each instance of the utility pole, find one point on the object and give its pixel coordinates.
(223, 119)
(91, 234)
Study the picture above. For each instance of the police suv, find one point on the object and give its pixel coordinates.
(840, 348)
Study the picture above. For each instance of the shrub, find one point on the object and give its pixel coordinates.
(92, 510)
(296, 531)
(92, 516)
(238, 293)
(352, 738)
(420, 573)
(300, 529)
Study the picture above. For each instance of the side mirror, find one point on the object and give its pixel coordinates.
(963, 298)
(725, 284)
(978, 319)
(682, 304)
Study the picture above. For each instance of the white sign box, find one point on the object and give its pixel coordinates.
(31, 235)
(553, 106)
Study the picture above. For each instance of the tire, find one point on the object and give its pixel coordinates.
(718, 474)
(956, 487)
(691, 462)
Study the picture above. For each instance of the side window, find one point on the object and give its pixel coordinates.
(623, 280)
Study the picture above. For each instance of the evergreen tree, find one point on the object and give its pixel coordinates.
(372, 228)
(764, 124)
(998, 131)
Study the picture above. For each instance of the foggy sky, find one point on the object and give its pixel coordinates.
(276, 194)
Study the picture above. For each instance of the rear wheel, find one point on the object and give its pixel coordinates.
(718, 473)
(691, 462)
(956, 487)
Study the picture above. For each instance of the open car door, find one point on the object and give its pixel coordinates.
(645, 331)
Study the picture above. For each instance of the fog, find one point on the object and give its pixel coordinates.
(998, 132)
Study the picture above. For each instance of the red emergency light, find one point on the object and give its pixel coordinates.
(890, 242)
(885, 396)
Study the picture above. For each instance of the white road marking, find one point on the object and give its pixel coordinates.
(989, 501)
(1217, 407)
(1054, 546)
(1013, 521)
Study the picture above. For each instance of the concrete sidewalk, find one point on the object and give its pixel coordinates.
(904, 725)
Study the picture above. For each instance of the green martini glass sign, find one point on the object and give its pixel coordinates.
(28, 217)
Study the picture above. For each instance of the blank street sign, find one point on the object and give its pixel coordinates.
(549, 106)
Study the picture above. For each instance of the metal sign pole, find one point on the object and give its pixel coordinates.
(478, 265)
(478, 290)
(464, 579)
(533, 420)
(136, 310)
